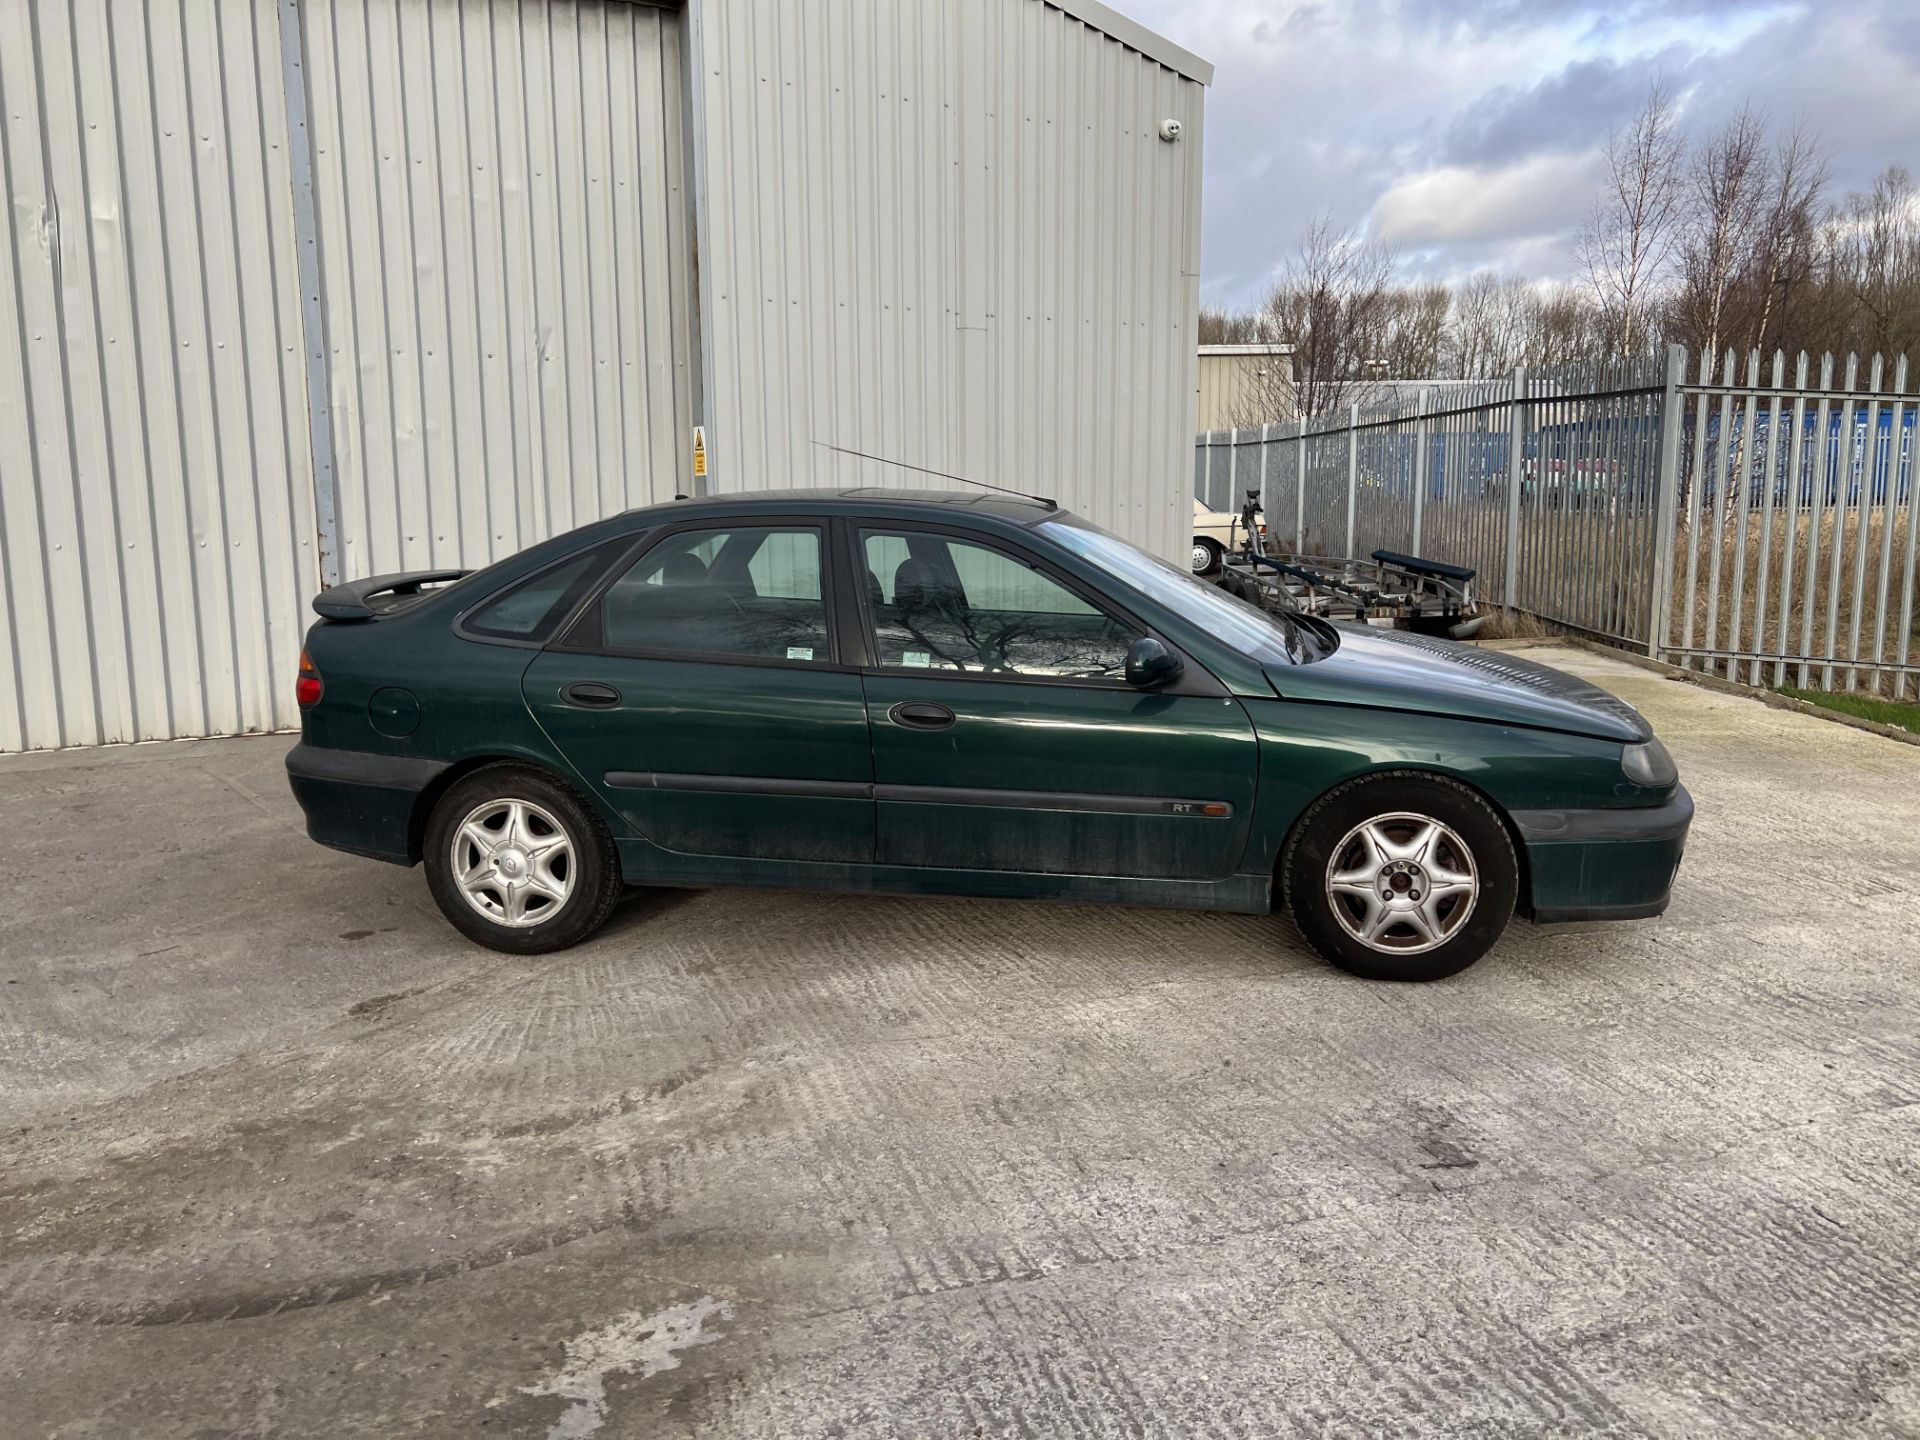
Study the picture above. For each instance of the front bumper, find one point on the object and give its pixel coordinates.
(1604, 864)
(359, 801)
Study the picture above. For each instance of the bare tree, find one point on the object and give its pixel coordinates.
(1487, 326)
(1563, 323)
(1874, 263)
(1728, 184)
(1225, 327)
(1478, 331)
(1628, 243)
(1330, 302)
(1411, 331)
(1782, 268)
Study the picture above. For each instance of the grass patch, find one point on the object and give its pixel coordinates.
(1865, 707)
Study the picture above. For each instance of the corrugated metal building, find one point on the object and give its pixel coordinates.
(297, 289)
(1239, 386)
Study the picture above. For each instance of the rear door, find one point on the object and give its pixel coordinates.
(701, 696)
(1005, 736)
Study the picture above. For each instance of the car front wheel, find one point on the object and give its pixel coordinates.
(1206, 557)
(519, 862)
(1403, 876)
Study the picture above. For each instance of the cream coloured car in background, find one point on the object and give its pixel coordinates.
(1217, 533)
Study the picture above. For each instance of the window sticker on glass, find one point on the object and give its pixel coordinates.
(799, 652)
(918, 659)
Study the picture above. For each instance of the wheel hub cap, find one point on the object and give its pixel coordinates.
(1402, 883)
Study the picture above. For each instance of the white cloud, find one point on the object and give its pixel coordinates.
(1539, 195)
(1466, 129)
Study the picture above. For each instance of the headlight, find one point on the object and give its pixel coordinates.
(1649, 765)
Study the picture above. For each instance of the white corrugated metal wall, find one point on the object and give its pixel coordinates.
(156, 518)
(504, 307)
(949, 234)
(505, 268)
(299, 288)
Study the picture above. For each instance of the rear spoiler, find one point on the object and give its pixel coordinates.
(350, 601)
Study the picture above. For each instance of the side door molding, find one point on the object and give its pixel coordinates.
(1056, 800)
(739, 785)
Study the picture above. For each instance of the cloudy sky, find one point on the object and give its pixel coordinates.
(1466, 133)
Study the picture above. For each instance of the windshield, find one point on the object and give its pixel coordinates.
(1263, 634)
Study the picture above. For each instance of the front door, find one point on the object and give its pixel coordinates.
(701, 699)
(1005, 736)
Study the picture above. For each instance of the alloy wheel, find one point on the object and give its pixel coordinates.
(1402, 883)
(513, 862)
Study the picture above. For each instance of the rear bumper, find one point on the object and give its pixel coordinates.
(1604, 864)
(358, 801)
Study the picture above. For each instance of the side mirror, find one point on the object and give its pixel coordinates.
(1150, 664)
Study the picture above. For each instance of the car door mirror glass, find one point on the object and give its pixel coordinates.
(1150, 664)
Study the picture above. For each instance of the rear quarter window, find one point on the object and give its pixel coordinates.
(530, 611)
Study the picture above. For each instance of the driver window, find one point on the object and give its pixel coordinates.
(945, 604)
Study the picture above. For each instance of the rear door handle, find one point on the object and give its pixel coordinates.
(591, 695)
(921, 715)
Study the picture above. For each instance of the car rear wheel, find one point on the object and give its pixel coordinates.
(1404, 876)
(1206, 556)
(519, 862)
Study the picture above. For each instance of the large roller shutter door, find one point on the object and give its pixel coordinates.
(504, 265)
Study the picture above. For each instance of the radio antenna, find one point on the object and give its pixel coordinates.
(1045, 500)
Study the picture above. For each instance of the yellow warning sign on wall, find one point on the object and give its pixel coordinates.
(699, 452)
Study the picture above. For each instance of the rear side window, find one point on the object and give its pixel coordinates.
(749, 591)
(530, 610)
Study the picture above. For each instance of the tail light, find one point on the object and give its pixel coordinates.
(306, 689)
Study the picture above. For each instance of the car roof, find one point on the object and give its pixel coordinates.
(1021, 509)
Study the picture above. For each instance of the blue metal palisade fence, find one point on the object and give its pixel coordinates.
(1761, 528)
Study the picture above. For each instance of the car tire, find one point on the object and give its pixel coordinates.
(1206, 556)
(1378, 870)
(519, 862)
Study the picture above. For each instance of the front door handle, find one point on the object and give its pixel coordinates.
(591, 695)
(921, 715)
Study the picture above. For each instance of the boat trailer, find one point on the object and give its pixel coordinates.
(1388, 588)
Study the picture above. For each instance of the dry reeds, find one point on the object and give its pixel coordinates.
(1833, 590)
(1505, 624)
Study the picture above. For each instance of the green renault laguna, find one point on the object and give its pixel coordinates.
(957, 694)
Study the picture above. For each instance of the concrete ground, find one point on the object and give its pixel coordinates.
(280, 1154)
